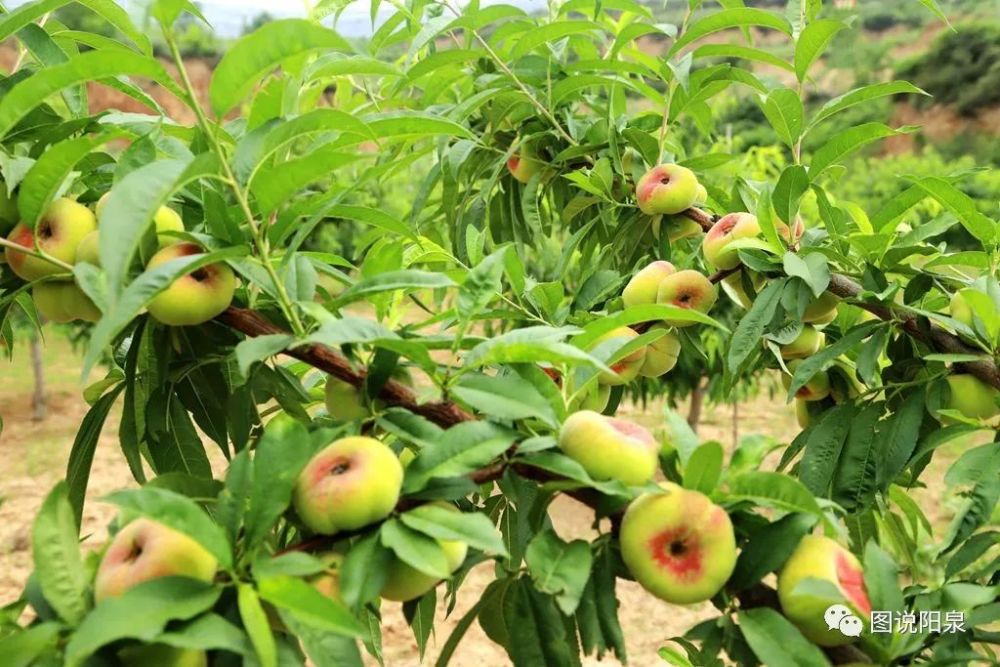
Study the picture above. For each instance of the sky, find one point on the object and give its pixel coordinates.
(229, 16)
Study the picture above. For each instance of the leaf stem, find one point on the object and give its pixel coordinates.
(259, 234)
(17, 247)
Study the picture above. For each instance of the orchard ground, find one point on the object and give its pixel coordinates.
(33, 458)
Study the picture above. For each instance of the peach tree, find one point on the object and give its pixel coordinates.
(375, 304)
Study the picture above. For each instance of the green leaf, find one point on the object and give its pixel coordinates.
(824, 443)
(81, 456)
(256, 54)
(275, 184)
(257, 626)
(775, 490)
(56, 554)
(726, 19)
(414, 124)
(371, 216)
(35, 645)
(550, 32)
(846, 142)
(364, 571)
(458, 451)
(131, 206)
(882, 579)
(472, 528)
(421, 552)
(897, 437)
(635, 315)
(140, 292)
(854, 483)
(964, 208)
(48, 174)
(811, 268)
(812, 42)
(750, 330)
(861, 95)
(818, 361)
(935, 9)
(504, 397)
(783, 110)
(252, 350)
(792, 184)
(280, 456)
(89, 66)
(181, 514)
(308, 605)
(704, 468)
(390, 281)
(537, 631)
(776, 642)
(769, 547)
(559, 568)
(141, 613)
(742, 52)
(482, 285)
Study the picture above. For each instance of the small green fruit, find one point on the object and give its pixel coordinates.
(661, 354)
(644, 285)
(806, 344)
(58, 234)
(62, 302)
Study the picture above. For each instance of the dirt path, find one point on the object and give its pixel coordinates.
(33, 458)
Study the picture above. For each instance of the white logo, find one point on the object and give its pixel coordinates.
(839, 617)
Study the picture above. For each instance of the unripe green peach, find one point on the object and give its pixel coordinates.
(89, 250)
(609, 448)
(717, 246)
(627, 368)
(350, 484)
(195, 298)
(661, 354)
(678, 545)
(145, 550)
(645, 284)
(405, 582)
(687, 289)
(162, 655)
(62, 302)
(595, 398)
(327, 582)
(678, 227)
(818, 557)
(821, 310)
(700, 195)
(802, 413)
(666, 189)
(816, 389)
(343, 401)
(524, 165)
(806, 344)
(167, 220)
(972, 397)
(732, 285)
(58, 235)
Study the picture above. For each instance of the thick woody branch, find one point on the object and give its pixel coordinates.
(932, 335)
(327, 359)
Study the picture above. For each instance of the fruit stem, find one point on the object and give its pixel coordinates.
(259, 236)
(17, 247)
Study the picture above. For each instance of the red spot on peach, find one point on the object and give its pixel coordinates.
(677, 551)
(852, 581)
(22, 236)
(333, 467)
(631, 430)
(513, 162)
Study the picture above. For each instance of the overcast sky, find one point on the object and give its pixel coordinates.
(229, 16)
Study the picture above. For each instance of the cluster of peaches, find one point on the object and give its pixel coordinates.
(68, 234)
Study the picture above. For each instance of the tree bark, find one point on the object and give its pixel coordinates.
(39, 404)
(694, 410)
